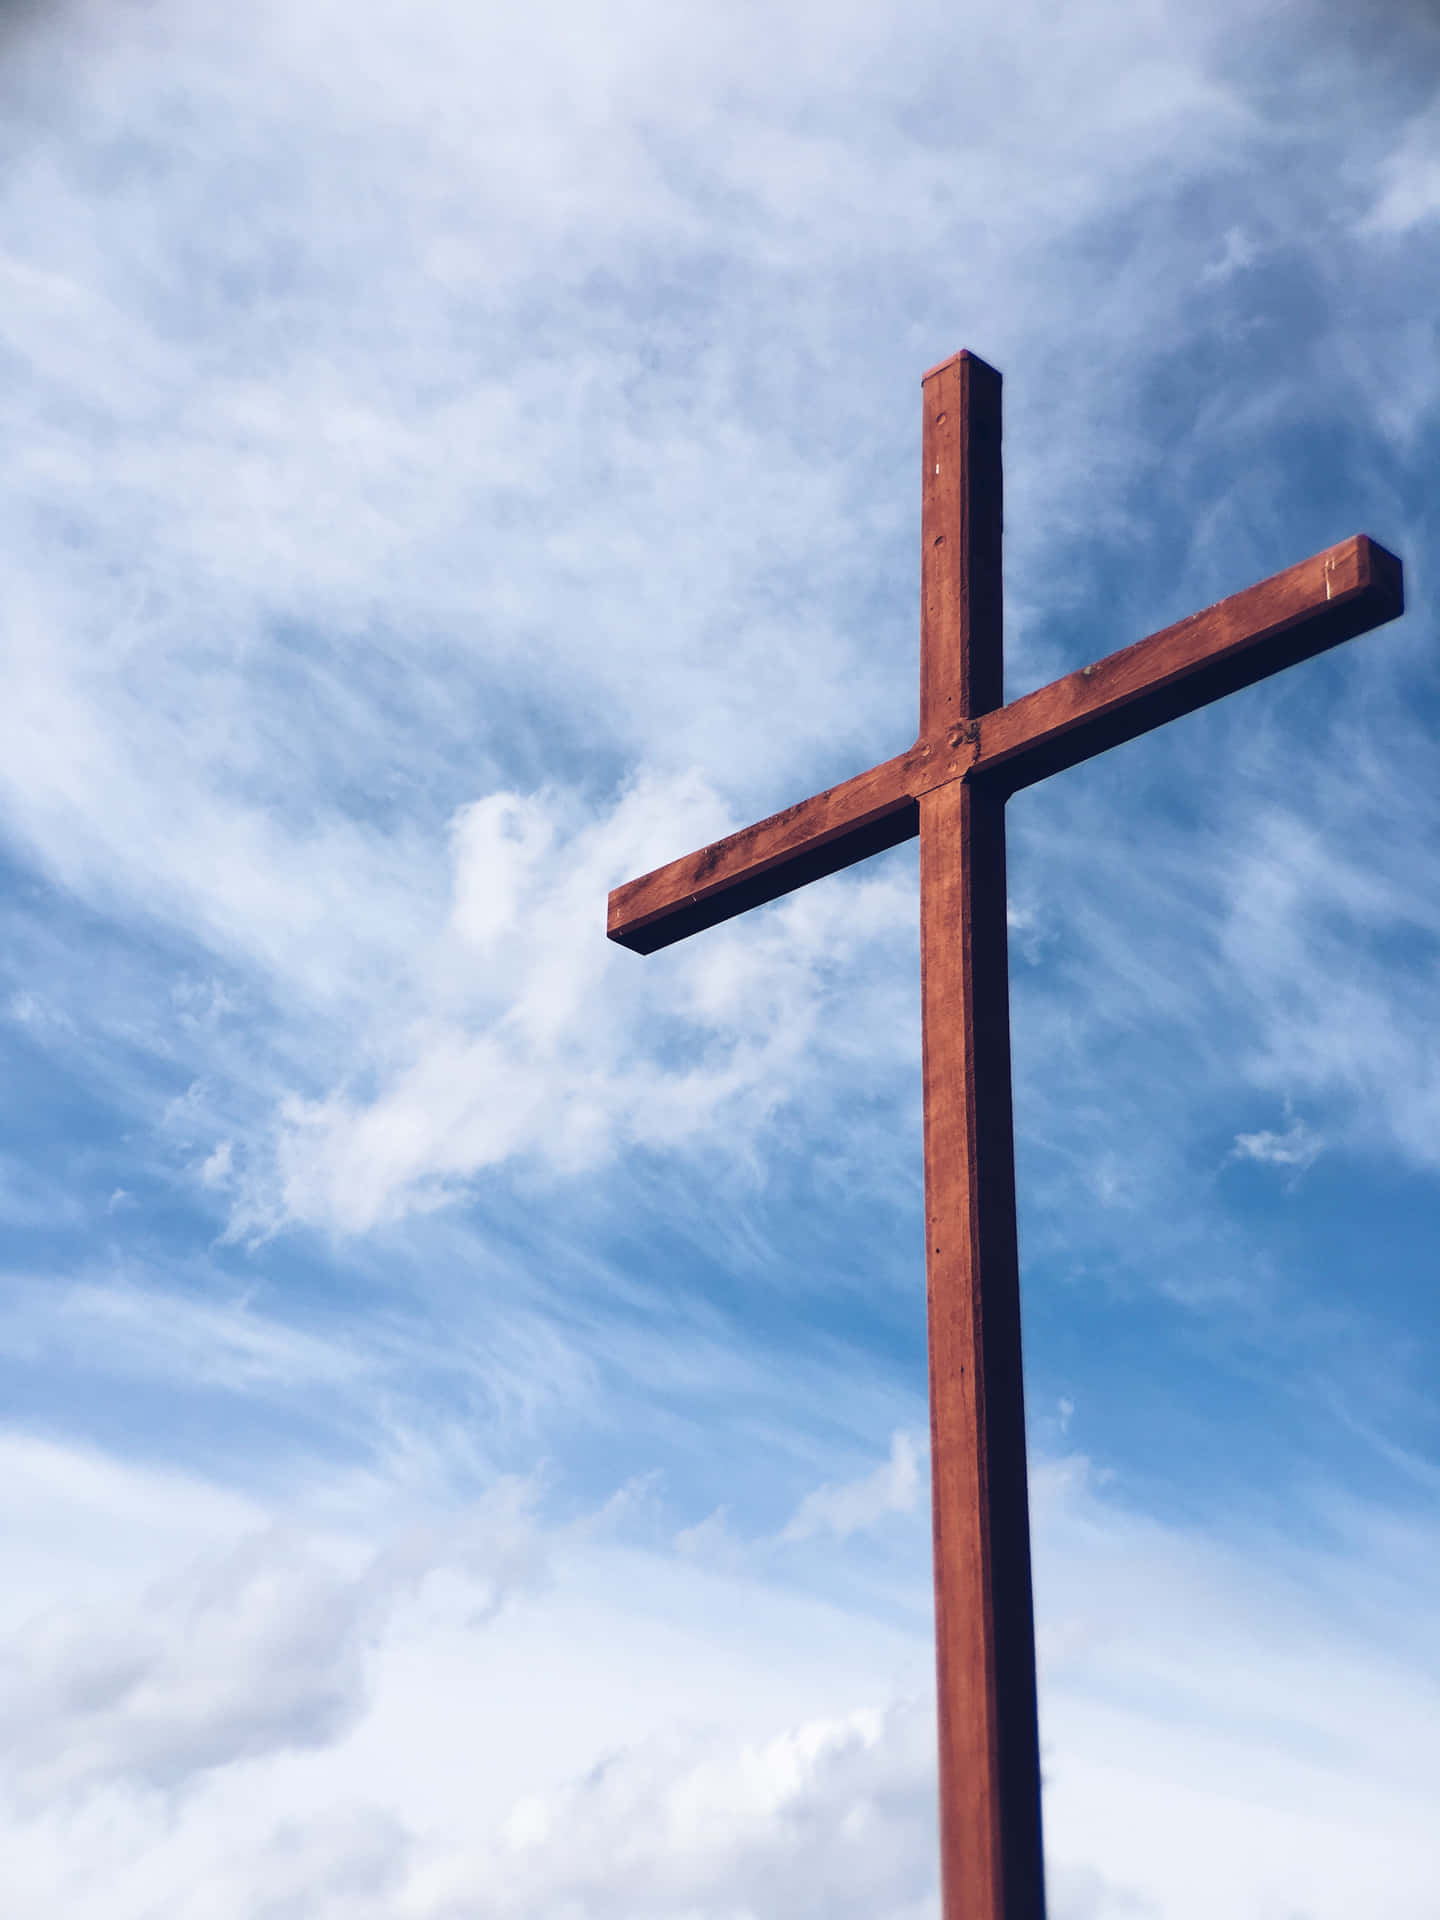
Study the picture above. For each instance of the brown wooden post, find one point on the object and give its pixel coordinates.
(951, 788)
(990, 1850)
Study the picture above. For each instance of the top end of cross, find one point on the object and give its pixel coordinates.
(962, 672)
(954, 359)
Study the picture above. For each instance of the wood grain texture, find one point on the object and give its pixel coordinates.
(990, 1844)
(962, 658)
(991, 1862)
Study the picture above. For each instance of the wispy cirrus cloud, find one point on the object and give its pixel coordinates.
(311, 498)
(455, 462)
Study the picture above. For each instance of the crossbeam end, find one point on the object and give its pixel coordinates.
(1331, 597)
(821, 835)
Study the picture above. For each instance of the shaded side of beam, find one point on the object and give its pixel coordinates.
(1329, 598)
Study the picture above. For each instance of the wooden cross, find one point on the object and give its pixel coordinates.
(972, 753)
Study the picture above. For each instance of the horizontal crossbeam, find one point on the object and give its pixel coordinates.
(836, 828)
(1331, 597)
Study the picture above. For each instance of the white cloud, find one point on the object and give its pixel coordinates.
(711, 1542)
(247, 1653)
(1296, 1147)
(263, 1650)
(1239, 251)
(1411, 194)
(294, 1716)
(854, 1505)
(531, 1035)
(828, 1817)
(1314, 915)
(215, 1168)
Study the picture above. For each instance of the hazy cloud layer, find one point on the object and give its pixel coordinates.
(261, 1716)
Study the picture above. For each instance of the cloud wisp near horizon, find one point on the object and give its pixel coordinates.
(464, 1385)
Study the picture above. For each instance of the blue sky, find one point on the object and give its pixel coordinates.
(463, 1385)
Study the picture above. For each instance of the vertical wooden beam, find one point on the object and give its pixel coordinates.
(990, 1845)
(962, 662)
